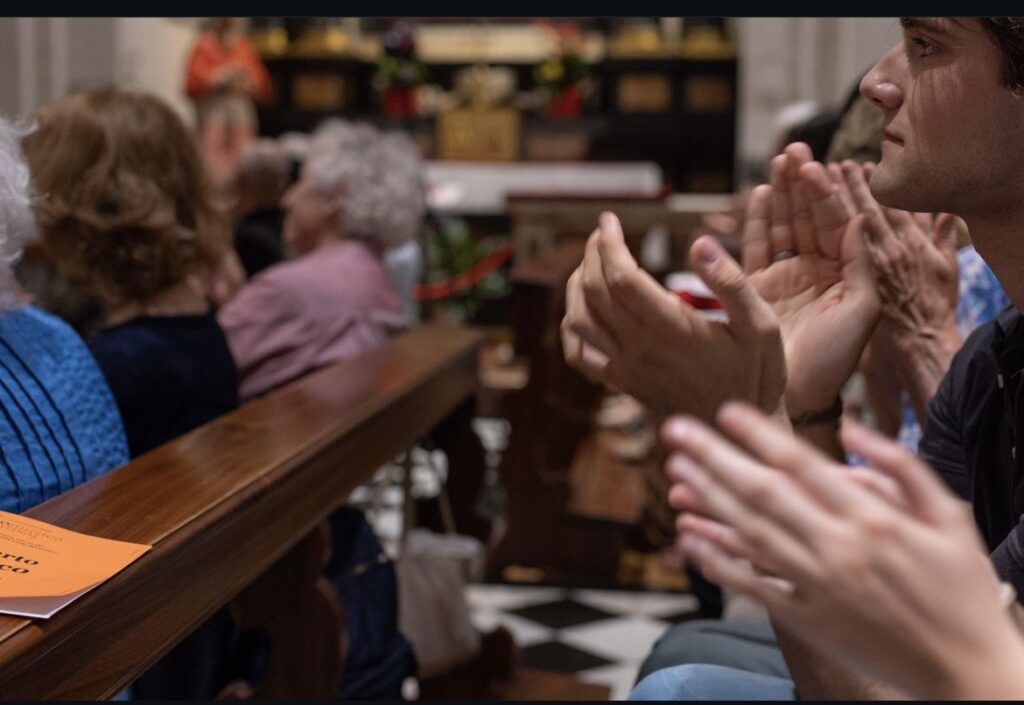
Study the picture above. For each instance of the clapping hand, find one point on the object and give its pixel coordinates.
(806, 276)
(852, 570)
(915, 259)
(805, 252)
(622, 328)
(915, 256)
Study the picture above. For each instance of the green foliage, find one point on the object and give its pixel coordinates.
(401, 72)
(451, 249)
(560, 71)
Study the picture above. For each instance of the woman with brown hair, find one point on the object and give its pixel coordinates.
(126, 215)
(59, 425)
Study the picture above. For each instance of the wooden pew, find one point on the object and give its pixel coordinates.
(562, 516)
(549, 418)
(237, 508)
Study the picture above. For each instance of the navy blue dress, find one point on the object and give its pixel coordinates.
(169, 375)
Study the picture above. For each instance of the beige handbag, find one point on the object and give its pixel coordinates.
(433, 571)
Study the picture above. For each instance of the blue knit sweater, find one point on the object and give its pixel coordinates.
(59, 424)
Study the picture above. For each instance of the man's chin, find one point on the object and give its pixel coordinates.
(889, 189)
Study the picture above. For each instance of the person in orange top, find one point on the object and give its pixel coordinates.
(224, 76)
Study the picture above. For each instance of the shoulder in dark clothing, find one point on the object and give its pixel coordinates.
(974, 433)
(964, 393)
(169, 375)
(258, 239)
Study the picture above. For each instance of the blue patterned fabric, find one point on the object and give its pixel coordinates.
(59, 425)
(981, 299)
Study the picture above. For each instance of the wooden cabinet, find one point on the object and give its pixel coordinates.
(672, 108)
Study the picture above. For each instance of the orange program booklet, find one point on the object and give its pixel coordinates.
(43, 567)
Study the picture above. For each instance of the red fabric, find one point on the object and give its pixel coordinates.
(208, 55)
(705, 303)
(400, 101)
(568, 103)
(464, 280)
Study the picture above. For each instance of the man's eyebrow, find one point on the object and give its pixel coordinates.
(925, 23)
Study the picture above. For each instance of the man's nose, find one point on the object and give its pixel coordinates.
(878, 85)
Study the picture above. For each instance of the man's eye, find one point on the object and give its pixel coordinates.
(925, 47)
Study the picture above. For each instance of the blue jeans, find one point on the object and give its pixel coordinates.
(703, 682)
(744, 645)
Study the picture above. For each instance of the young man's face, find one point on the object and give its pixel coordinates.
(953, 133)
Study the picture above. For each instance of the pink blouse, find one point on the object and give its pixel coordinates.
(335, 302)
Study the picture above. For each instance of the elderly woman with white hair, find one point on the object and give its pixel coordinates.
(59, 423)
(360, 193)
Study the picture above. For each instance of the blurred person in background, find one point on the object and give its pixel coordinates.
(259, 183)
(223, 76)
(128, 217)
(59, 423)
(361, 192)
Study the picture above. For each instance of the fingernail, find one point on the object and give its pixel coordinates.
(692, 543)
(707, 254)
(606, 220)
(682, 468)
(687, 522)
(678, 429)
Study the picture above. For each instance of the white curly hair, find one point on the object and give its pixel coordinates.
(379, 176)
(17, 223)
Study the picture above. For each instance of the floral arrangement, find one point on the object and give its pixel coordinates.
(399, 72)
(564, 74)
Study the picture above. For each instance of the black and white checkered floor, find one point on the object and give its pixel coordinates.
(600, 635)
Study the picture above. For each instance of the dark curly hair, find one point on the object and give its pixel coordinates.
(124, 207)
(1008, 35)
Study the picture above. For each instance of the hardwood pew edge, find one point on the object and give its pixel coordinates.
(27, 636)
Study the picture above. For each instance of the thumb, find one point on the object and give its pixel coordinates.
(857, 271)
(747, 311)
(946, 232)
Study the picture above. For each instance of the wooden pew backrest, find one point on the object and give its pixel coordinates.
(225, 502)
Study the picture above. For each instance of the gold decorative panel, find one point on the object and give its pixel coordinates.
(567, 147)
(707, 94)
(318, 91)
(478, 134)
(644, 93)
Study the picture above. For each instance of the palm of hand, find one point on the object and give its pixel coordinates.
(823, 296)
(807, 294)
